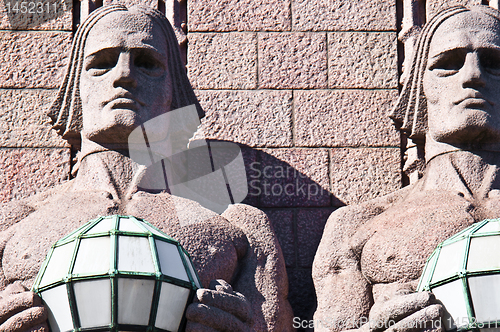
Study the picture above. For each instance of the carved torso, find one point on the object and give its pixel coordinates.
(377, 247)
(215, 245)
(395, 244)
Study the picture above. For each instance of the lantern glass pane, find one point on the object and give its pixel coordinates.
(93, 256)
(134, 254)
(492, 226)
(127, 225)
(450, 260)
(171, 305)
(484, 291)
(103, 226)
(135, 297)
(74, 234)
(152, 230)
(428, 269)
(170, 260)
(191, 270)
(56, 300)
(93, 300)
(452, 297)
(484, 253)
(59, 263)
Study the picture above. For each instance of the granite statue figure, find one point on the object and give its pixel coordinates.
(371, 254)
(124, 70)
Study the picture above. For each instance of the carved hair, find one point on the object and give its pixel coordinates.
(410, 112)
(66, 110)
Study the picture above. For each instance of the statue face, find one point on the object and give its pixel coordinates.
(462, 80)
(125, 79)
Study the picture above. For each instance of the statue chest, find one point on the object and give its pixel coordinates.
(214, 246)
(394, 246)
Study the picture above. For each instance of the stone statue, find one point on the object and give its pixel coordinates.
(372, 254)
(125, 69)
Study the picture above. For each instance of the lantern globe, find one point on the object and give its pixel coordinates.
(463, 273)
(117, 273)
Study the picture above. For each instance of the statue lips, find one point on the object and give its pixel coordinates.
(474, 100)
(124, 101)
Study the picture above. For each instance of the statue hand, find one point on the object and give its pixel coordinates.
(407, 312)
(21, 310)
(219, 309)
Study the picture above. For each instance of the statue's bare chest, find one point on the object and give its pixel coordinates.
(395, 244)
(213, 246)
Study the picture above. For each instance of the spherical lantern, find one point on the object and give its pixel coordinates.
(464, 274)
(117, 273)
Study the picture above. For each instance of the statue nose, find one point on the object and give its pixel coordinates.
(472, 72)
(124, 72)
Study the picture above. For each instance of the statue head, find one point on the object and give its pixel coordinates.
(452, 93)
(125, 69)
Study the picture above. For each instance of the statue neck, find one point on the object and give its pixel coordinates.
(102, 169)
(474, 173)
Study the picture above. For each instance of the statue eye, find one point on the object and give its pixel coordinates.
(490, 61)
(448, 63)
(149, 64)
(101, 62)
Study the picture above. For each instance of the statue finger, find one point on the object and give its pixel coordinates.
(44, 327)
(234, 303)
(221, 285)
(14, 288)
(15, 303)
(398, 308)
(215, 318)
(427, 319)
(25, 320)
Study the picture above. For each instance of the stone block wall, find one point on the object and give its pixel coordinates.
(304, 86)
(34, 50)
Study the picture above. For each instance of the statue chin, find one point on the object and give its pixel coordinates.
(115, 136)
(114, 129)
(475, 136)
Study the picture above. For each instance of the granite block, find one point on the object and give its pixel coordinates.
(33, 59)
(292, 60)
(361, 174)
(344, 118)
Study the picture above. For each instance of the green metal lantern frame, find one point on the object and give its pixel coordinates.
(463, 274)
(152, 234)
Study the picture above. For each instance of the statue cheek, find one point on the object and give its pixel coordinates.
(434, 92)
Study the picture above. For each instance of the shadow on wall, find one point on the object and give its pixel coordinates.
(214, 173)
(298, 208)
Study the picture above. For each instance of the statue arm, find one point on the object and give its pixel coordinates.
(12, 212)
(262, 277)
(344, 295)
(20, 309)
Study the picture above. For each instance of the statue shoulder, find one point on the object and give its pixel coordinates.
(16, 210)
(253, 222)
(12, 212)
(334, 250)
(263, 273)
